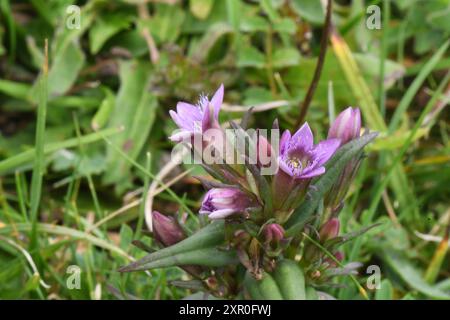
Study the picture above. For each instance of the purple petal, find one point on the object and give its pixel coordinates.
(208, 120)
(316, 172)
(285, 138)
(303, 138)
(181, 135)
(324, 150)
(347, 125)
(283, 166)
(220, 214)
(178, 121)
(217, 100)
(189, 112)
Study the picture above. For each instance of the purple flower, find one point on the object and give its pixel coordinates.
(196, 119)
(347, 125)
(300, 158)
(222, 202)
(166, 229)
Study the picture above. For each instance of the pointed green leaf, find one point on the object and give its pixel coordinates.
(211, 235)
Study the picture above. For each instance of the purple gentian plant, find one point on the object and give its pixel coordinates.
(261, 232)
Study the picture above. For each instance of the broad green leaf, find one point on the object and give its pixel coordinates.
(64, 70)
(311, 11)
(166, 24)
(104, 28)
(14, 89)
(134, 111)
(201, 8)
(249, 56)
(254, 24)
(285, 25)
(386, 292)
(410, 275)
(203, 49)
(285, 57)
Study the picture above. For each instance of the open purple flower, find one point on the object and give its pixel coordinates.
(300, 158)
(196, 119)
(222, 202)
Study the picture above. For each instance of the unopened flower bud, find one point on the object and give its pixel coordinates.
(166, 230)
(346, 128)
(339, 255)
(273, 233)
(329, 230)
(220, 203)
(347, 125)
(264, 151)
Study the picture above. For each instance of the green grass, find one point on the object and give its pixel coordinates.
(84, 137)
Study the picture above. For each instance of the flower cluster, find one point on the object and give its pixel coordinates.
(257, 221)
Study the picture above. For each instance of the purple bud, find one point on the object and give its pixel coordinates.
(166, 229)
(220, 203)
(329, 230)
(339, 255)
(264, 151)
(347, 125)
(273, 233)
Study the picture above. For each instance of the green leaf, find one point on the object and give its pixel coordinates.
(285, 57)
(285, 25)
(311, 11)
(208, 257)
(134, 111)
(103, 113)
(269, 9)
(249, 56)
(166, 24)
(386, 292)
(334, 167)
(204, 48)
(410, 275)
(64, 70)
(104, 28)
(201, 8)
(254, 24)
(211, 235)
(14, 89)
(26, 158)
(415, 86)
(370, 66)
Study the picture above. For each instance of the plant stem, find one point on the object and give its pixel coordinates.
(323, 49)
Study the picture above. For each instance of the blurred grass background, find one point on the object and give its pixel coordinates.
(74, 162)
